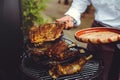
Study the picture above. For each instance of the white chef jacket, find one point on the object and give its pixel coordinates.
(107, 11)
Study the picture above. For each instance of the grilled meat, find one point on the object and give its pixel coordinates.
(38, 49)
(57, 50)
(71, 68)
(60, 51)
(47, 32)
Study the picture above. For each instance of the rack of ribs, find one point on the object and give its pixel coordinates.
(71, 68)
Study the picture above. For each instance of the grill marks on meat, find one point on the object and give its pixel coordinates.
(38, 49)
(71, 68)
(47, 32)
(57, 50)
(61, 51)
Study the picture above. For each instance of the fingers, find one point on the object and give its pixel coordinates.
(67, 20)
(69, 24)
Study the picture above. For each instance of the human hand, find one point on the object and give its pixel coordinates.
(68, 20)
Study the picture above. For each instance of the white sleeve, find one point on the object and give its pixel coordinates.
(77, 8)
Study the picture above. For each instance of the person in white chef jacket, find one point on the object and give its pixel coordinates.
(107, 14)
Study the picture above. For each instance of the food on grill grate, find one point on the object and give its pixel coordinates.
(47, 32)
(57, 49)
(61, 51)
(38, 49)
(71, 68)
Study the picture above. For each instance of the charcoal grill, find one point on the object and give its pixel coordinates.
(92, 70)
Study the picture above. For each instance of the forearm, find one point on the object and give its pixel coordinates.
(77, 8)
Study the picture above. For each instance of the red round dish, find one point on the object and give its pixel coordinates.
(98, 35)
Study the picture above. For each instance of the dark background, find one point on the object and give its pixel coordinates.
(11, 39)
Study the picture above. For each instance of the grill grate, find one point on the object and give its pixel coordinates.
(33, 69)
(91, 70)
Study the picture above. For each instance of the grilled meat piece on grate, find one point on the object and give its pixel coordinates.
(38, 49)
(61, 51)
(47, 32)
(71, 68)
(57, 50)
